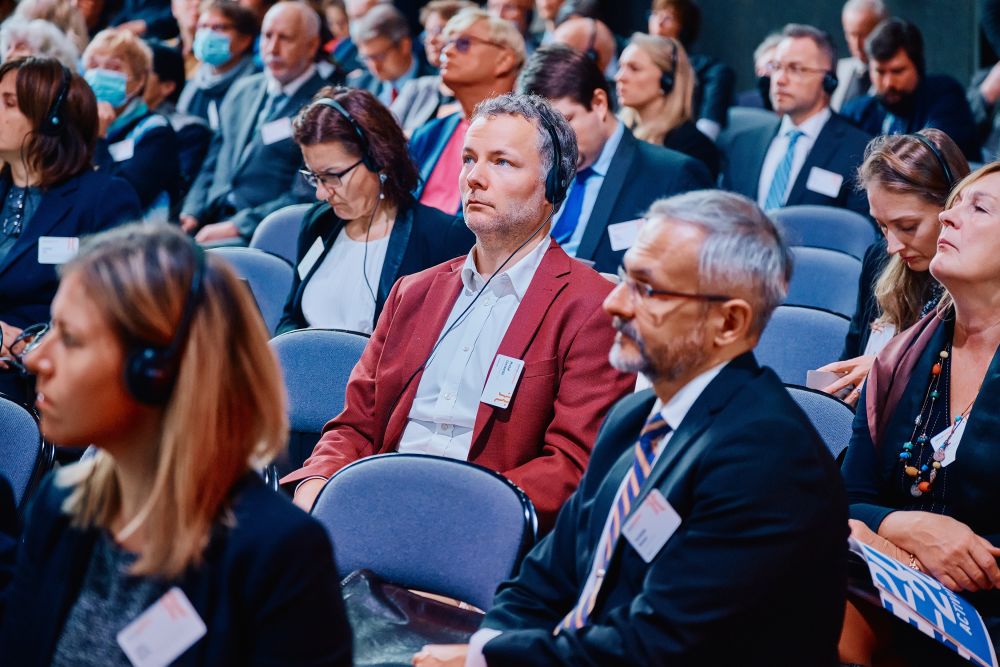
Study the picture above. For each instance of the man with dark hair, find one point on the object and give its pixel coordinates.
(808, 154)
(906, 99)
(618, 176)
(386, 49)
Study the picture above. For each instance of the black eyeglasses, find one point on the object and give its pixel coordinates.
(29, 338)
(641, 290)
(329, 179)
(462, 43)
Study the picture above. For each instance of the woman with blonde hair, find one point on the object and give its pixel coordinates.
(655, 87)
(157, 355)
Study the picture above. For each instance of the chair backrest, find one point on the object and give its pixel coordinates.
(278, 233)
(800, 339)
(24, 456)
(743, 118)
(824, 279)
(316, 364)
(827, 227)
(429, 523)
(269, 277)
(832, 417)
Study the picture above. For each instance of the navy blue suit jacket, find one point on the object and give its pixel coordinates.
(85, 204)
(267, 589)
(840, 148)
(754, 575)
(154, 167)
(427, 144)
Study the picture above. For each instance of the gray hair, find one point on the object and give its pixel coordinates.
(820, 38)
(539, 113)
(744, 251)
(876, 7)
(308, 17)
(499, 30)
(769, 42)
(380, 21)
(42, 37)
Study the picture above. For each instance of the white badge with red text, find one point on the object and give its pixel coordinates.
(622, 234)
(163, 632)
(123, 150)
(502, 381)
(57, 249)
(651, 525)
(276, 130)
(953, 436)
(824, 182)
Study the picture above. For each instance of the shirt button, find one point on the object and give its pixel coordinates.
(465, 349)
(445, 427)
(447, 397)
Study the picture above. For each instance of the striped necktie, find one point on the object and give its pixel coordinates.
(645, 452)
(779, 183)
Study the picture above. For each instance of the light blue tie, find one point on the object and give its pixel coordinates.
(779, 184)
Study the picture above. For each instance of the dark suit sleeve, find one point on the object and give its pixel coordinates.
(196, 201)
(154, 166)
(950, 113)
(861, 472)
(291, 316)
(716, 82)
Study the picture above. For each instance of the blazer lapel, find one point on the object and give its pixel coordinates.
(52, 209)
(823, 149)
(762, 139)
(246, 128)
(399, 240)
(614, 180)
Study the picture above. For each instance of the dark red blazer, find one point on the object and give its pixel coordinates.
(542, 441)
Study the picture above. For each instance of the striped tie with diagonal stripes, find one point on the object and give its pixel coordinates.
(779, 182)
(645, 451)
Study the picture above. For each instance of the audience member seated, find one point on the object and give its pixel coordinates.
(61, 13)
(759, 97)
(335, 16)
(223, 48)
(742, 555)
(655, 85)
(716, 81)
(517, 305)
(20, 39)
(907, 178)
(810, 154)
(386, 49)
(427, 97)
(186, 13)
(547, 11)
(858, 18)
(367, 231)
(591, 37)
(346, 51)
(481, 58)
(156, 355)
(135, 143)
(617, 176)
(48, 189)
(932, 390)
(520, 13)
(252, 165)
(146, 18)
(905, 98)
(96, 13)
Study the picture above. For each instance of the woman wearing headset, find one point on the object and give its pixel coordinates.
(655, 87)
(157, 356)
(366, 231)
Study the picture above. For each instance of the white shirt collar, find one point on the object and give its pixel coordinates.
(274, 87)
(603, 161)
(678, 406)
(514, 280)
(811, 127)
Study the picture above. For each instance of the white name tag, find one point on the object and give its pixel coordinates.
(163, 632)
(651, 525)
(824, 182)
(622, 234)
(276, 130)
(309, 260)
(57, 249)
(952, 449)
(123, 150)
(502, 381)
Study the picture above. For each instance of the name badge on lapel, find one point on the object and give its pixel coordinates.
(163, 632)
(276, 130)
(122, 150)
(824, 182)
(500, 385)
(651, 525)
(57, 249)
(309, 260)
(622, 234)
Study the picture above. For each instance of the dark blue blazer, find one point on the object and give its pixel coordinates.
(154, 167)
(754, 575)
(639, 174)
(421, 237)
(267, 589)
(840, 148)
(427, 144)
(160, 21)
(85, 204)
(939, 101)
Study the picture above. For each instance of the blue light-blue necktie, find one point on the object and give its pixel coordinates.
(779, 183)
(563, 231)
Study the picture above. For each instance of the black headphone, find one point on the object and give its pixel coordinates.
(830, 82)
(52, 124)
(151, 370)
(591, 50)
(555, 187)
(366, 156)
(667, 78)
(937, 154)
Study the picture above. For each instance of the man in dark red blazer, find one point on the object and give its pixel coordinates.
(440, 374)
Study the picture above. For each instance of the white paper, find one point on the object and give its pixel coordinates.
(163, 632)
(57, 249)
(123, 150)
(651, 524)
(502, 381)
(622, 234)
(952, 449)
(276, 130)
(309, 260)
(824, 182)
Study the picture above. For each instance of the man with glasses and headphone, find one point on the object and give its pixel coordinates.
(498, 357)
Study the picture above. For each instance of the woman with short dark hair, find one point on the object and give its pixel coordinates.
(367, 230)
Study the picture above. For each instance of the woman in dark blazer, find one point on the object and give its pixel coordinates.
(368, 230)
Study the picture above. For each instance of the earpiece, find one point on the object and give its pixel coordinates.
(830, 83)
(667, 78)
(591, 50)
(382, 178)
(555, 187)
(366, 156)
(52, 124)
(937, 154)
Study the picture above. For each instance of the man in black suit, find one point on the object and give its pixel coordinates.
(710, 527)
(807, 155)
(618, 176)
(386, 49)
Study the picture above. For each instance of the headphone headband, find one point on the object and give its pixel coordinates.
(366, 157)
(937, 155)
(52, 124)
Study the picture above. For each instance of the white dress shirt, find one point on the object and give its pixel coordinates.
(810, 128)
(673, 413)
(444, 409)
(275, 87)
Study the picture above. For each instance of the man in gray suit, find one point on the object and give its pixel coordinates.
(386, 49)
(252, 165)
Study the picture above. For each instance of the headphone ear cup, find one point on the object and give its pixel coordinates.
(830, 83)
(667, 82)
(148, 376)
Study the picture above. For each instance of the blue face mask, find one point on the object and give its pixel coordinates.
(212, 48)
(108, 85)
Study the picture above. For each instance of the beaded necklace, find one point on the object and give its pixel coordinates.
(13, 223)
(912, 451)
